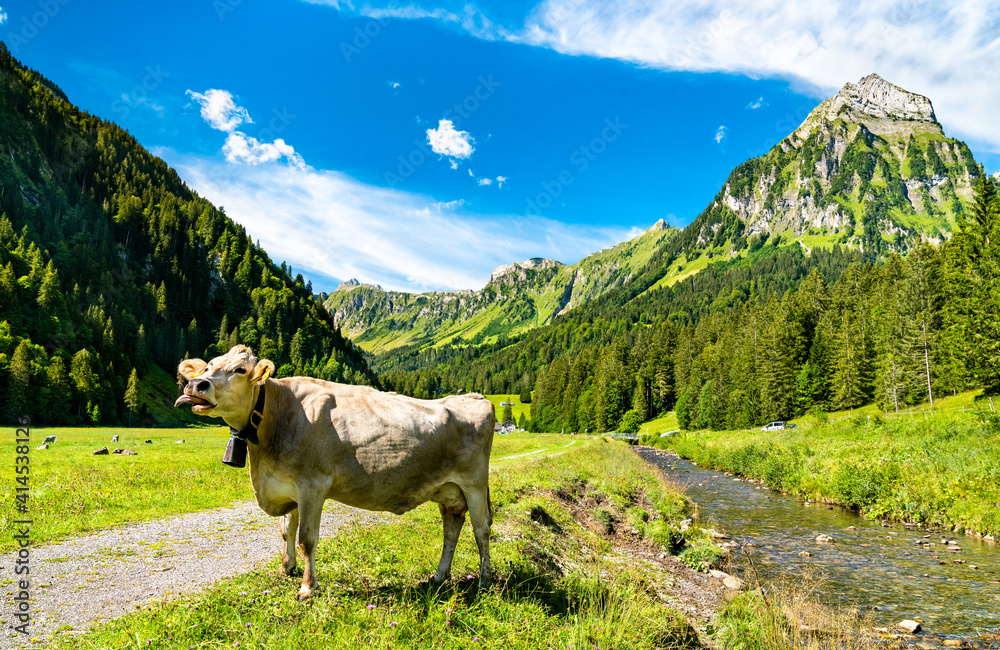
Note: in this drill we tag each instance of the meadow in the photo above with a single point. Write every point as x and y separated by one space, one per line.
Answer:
558 582
73 492
518 409
566 508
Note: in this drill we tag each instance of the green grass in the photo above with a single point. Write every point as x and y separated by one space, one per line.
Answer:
557 584
73 492
518 407
932 469
662 423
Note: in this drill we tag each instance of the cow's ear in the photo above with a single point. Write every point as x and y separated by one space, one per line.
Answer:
262 371
191 368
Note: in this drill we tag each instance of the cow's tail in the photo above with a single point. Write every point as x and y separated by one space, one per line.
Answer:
489 504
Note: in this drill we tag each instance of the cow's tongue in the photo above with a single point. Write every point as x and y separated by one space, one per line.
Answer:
193 400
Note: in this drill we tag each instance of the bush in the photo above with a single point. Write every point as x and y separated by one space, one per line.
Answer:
702 556
630 422
862 487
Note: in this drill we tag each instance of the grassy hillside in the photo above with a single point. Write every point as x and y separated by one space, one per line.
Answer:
519 298
518 409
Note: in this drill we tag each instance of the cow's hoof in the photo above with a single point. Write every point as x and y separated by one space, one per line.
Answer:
289 569
485 582
439 580
305 593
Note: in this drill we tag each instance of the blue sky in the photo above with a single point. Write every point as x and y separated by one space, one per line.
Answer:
419 145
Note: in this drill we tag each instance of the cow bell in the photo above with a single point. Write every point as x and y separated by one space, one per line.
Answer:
236 452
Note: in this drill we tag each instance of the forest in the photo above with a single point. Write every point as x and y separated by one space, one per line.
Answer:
773 336
112 270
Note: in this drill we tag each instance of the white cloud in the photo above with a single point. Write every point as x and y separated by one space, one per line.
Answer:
721 134
3 16
240 147
327 224
393 84
485 181
446 141
757 103
501 180
220 110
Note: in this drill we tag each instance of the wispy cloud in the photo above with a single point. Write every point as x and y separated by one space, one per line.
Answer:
3 16
446 141
949 51
721 134
757 103
332 226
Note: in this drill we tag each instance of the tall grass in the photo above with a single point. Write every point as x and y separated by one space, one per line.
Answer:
942 470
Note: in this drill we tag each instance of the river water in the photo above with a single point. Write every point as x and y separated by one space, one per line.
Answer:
886 569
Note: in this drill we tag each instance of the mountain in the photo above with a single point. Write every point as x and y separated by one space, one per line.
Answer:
519 297
870 167
112 270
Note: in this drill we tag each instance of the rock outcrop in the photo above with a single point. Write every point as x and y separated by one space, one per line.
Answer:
534 264
876 96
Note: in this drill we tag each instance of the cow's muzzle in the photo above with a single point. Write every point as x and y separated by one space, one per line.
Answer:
191 396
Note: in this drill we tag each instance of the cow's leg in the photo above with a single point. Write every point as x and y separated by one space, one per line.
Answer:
482 519
289 524
310 513
453 519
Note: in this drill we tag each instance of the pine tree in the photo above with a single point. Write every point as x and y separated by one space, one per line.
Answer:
920 306
972 286
20 381
132 396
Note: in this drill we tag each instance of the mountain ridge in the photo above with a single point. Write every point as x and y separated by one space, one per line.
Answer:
518 297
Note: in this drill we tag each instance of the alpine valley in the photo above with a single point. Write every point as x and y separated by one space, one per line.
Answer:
870 169
847 266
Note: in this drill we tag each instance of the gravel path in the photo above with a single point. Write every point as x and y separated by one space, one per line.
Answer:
106 575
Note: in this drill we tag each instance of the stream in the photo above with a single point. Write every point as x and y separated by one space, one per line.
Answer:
885 568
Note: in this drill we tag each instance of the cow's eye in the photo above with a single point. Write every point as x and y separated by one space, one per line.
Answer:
241 371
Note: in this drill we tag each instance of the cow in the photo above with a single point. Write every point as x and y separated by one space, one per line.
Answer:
319 440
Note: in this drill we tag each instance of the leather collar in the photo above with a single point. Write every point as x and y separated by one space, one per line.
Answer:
249 432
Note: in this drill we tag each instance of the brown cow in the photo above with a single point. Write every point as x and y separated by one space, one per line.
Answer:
319 440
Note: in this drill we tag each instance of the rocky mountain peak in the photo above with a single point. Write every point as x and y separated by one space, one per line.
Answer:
348 284
659 225
877 97
533 264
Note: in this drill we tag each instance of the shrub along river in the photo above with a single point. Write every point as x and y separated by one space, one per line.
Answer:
895 571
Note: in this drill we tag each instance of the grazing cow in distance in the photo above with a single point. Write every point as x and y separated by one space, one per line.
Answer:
314 440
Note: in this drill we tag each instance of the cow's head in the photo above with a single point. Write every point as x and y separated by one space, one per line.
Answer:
223 387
